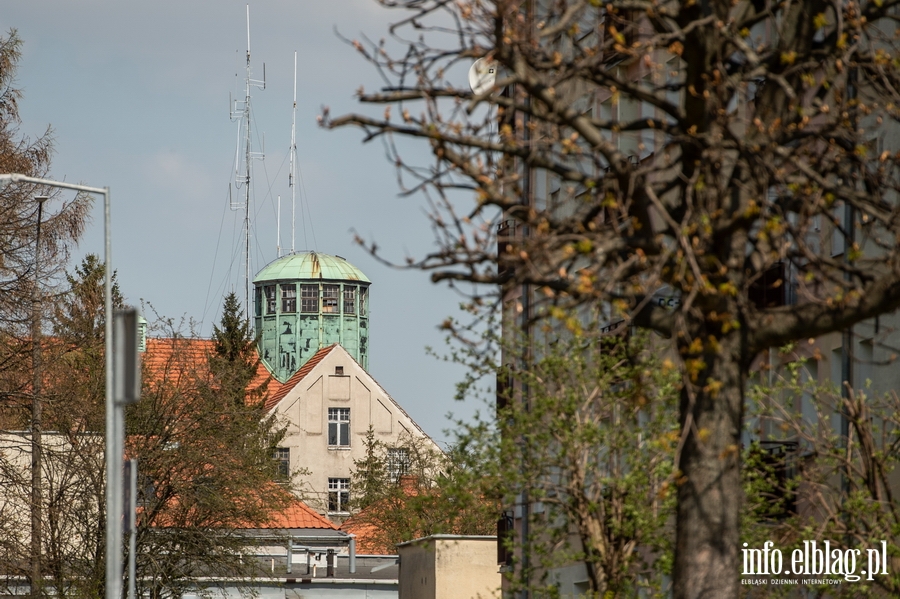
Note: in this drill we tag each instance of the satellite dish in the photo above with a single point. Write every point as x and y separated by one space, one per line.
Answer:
483 75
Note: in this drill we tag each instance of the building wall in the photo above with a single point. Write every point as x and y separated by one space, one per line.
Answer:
338 382
449 567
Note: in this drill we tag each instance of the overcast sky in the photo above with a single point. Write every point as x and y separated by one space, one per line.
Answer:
137 95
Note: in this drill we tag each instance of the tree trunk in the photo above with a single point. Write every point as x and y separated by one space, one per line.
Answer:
709 486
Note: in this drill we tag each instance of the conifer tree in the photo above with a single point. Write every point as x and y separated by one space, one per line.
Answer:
234 360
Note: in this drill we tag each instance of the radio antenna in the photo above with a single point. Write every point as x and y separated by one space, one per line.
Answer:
244 155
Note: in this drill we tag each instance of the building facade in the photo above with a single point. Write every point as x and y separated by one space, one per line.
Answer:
312 319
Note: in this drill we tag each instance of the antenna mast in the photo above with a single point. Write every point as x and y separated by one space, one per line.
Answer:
240 111
293 153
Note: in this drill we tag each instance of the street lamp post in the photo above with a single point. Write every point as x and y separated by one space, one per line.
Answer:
36 450
115 429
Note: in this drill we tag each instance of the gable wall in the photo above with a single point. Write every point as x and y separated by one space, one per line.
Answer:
304 411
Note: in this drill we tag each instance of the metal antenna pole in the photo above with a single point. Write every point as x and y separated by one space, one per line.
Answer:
243 115
293 154
247 158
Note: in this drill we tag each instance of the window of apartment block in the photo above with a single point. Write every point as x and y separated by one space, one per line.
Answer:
288 299
339 427
338 494
629 112
809 379
283 458
397 463
271 302
349 299
775 464
330 296
309 298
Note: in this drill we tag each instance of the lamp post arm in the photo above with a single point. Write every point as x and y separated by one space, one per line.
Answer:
114 419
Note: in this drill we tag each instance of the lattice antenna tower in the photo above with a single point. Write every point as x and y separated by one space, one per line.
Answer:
243 161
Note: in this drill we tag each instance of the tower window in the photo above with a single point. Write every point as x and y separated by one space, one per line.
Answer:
349 299
338 494
363 300
330 295
270 299
339 427
257 301
309 298
288 299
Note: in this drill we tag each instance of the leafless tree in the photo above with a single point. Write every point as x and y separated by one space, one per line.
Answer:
712 153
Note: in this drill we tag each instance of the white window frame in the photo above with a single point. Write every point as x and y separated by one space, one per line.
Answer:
338 495
339 427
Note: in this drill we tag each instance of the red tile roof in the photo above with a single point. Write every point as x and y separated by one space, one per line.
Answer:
366 535
277 395
299 515
180 356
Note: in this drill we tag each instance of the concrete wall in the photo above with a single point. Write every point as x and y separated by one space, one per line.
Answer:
449 567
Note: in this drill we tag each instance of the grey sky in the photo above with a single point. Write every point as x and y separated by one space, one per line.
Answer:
137 96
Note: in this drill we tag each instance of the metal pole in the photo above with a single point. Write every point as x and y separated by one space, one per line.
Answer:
290 554
113 506
352 554
132 526
37 576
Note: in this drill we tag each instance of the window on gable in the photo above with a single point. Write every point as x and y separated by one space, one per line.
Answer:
338 494
339 427
309 298
288 299
398 462
283 458
330 295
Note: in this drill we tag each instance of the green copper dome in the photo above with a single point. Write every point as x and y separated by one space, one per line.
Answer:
307 301
310 265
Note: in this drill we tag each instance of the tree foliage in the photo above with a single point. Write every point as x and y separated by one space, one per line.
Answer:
582 447
234 360
632 151
825 486
62 223
205 456
412 490
35 239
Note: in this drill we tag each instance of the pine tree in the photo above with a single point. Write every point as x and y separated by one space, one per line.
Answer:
370 473
234 360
